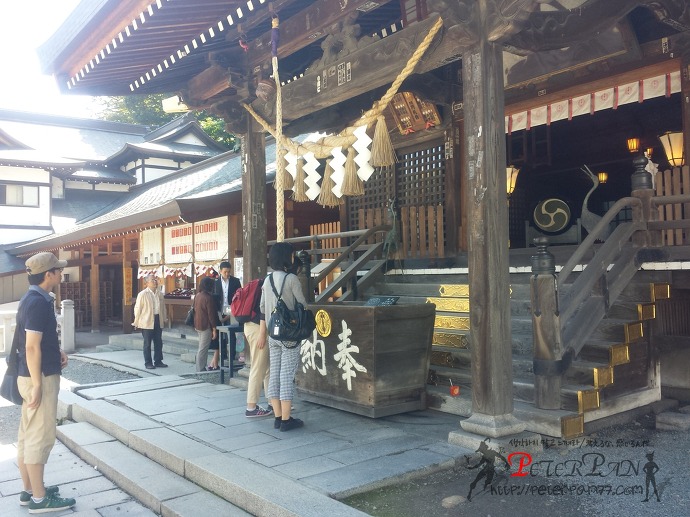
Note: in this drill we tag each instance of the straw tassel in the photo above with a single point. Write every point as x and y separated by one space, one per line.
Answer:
382 152
281 170
326 196
352 184
298 193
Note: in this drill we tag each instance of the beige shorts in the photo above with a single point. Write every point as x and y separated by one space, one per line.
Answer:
38 427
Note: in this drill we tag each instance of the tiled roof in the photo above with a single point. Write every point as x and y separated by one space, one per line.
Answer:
103 174
33 158
79 139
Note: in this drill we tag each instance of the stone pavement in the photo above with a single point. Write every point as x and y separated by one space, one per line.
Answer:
174 443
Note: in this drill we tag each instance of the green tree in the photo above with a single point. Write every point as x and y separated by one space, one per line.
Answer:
147 110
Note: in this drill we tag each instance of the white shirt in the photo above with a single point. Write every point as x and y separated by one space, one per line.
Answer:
156 302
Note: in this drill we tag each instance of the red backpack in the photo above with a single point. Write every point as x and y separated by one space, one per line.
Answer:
245 302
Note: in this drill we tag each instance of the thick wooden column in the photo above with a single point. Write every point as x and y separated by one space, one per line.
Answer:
685 104
485 161
253 202
127 291
95 291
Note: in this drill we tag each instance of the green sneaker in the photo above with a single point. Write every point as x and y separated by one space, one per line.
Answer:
25 497
51 503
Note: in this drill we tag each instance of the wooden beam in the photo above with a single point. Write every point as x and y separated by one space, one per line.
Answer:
363 70
589 85
305 27
208 83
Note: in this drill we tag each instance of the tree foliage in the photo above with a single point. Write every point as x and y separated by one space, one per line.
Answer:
147 110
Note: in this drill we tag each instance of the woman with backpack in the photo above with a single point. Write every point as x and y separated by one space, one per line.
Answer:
258 352
205 320
283 357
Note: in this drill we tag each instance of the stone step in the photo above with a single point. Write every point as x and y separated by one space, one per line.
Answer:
175 474
153 485
171 343
542 421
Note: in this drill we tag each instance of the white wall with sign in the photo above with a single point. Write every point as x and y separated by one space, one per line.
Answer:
178 244
150 247
211 240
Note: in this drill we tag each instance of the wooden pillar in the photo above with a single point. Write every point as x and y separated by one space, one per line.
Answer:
95 291
685 104
127 291
485 161
253 202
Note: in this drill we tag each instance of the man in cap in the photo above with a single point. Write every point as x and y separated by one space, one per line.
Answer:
40 362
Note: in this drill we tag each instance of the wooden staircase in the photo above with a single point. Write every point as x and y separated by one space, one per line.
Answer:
615 370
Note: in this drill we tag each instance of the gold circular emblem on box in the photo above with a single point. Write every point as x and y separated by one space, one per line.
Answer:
323 323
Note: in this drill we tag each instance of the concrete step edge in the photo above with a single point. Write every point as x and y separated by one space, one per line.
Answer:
144 479
241 482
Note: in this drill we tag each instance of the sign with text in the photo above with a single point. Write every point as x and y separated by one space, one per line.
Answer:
178 244
211 239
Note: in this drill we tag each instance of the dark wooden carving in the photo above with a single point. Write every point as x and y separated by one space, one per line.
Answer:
234 115
549 30
363 70
675 13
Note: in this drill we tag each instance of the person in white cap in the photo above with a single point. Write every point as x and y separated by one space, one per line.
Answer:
40 361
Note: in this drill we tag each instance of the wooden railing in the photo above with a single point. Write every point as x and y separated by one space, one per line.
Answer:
657 221
669 185
350 260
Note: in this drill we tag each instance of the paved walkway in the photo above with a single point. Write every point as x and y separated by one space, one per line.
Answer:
189 425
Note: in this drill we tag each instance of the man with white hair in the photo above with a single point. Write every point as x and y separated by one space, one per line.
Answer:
149 316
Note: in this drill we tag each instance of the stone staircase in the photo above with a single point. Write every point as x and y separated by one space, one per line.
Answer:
613 373
170 472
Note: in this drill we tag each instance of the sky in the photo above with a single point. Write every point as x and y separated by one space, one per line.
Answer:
24 26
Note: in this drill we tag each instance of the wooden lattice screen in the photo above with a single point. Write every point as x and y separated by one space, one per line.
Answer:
672 182
325 229
418 183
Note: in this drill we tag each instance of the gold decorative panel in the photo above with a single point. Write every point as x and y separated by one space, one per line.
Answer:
603 376
442 359
450 340
587 400
452 322
619 354
572 426
447 290
660 291
646 311
633 331
450 304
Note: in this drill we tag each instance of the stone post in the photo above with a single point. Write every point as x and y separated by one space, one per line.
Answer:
68 326
546 333
7 333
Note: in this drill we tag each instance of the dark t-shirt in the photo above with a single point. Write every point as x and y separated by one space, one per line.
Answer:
37 313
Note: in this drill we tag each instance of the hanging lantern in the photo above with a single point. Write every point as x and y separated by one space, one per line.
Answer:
511 178
603 177
673 147
633 145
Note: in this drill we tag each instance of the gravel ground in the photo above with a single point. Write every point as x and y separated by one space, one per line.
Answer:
77 371
599 474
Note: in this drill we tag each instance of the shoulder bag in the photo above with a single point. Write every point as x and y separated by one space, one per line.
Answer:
289 326
189 320
9 389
